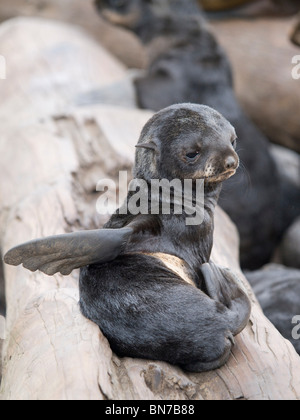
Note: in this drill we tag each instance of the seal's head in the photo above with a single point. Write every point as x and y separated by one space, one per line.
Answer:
187 141
142 15
125 13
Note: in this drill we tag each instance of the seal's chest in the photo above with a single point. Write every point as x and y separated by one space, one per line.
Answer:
175 264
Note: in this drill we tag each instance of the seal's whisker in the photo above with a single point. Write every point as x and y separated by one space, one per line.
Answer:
247 176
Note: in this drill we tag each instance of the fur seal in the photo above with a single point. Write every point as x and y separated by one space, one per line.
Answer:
154 292
187 64
277 289
163 298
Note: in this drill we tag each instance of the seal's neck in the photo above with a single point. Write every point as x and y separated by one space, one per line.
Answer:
212 193
190 242
181 197
161 18
167 26
193 242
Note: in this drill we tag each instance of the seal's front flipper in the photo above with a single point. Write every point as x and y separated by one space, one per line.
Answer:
212 280
223 286
64 253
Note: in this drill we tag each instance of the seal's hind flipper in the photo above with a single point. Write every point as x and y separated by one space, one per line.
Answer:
64 253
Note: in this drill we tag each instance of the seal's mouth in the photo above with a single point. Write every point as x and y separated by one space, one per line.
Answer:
221 177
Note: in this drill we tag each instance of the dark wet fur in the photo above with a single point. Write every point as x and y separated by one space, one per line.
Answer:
144 308
194 68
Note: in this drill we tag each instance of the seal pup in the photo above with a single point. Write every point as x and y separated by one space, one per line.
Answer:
163 298
147 280
187 64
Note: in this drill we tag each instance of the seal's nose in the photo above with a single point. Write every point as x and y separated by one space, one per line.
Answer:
231 162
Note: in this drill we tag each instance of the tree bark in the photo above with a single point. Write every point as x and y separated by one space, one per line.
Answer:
51 167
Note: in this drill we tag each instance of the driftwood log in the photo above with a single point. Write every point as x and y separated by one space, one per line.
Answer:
122 43
2 337
50 168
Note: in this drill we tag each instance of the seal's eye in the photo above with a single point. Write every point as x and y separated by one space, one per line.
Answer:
116 4
192 156
234 142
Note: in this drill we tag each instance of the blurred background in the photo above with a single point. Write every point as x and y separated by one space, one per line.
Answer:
239 56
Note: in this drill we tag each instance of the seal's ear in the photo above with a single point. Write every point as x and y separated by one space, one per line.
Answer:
151 146
64 253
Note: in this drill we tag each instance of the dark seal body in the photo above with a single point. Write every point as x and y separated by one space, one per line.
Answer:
162 298
187 64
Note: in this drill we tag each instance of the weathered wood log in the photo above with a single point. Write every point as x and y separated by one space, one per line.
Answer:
51 351
58 70
122 43
2 291
2 337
